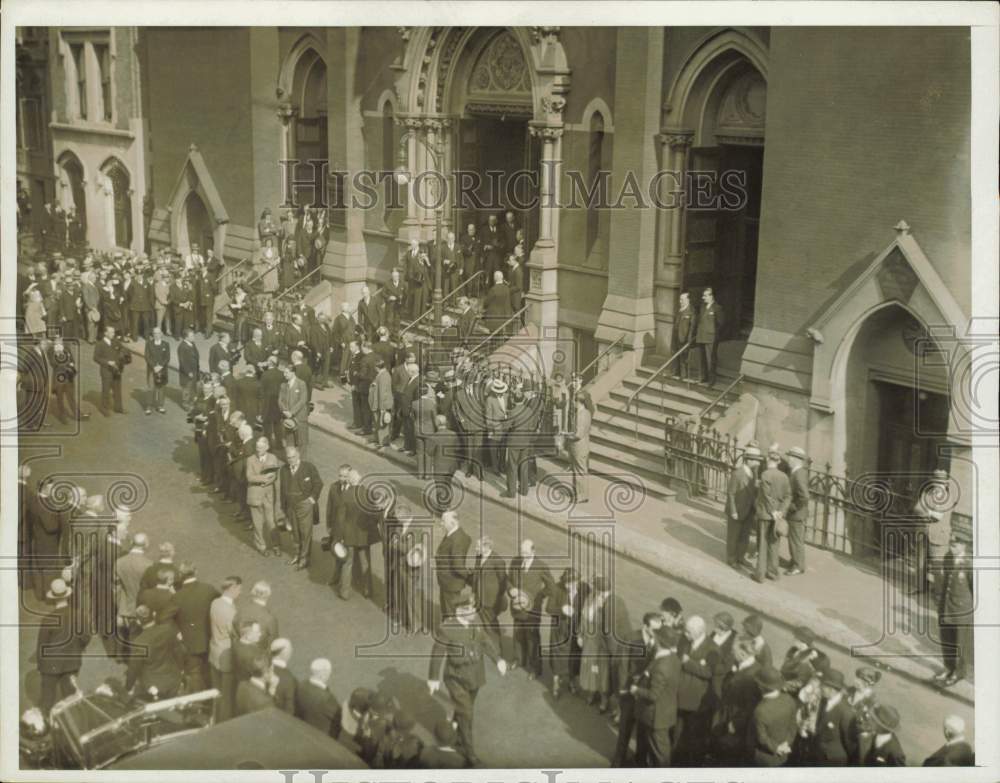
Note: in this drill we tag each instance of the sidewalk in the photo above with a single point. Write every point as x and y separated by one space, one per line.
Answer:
845 603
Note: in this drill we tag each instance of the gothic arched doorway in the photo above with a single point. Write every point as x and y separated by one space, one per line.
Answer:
198 223
72 192
120 204
491 95
307 129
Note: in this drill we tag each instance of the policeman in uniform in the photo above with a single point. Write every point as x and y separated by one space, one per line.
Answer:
460 646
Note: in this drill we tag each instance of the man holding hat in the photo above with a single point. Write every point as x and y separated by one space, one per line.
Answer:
59 653
798 509
656 701
460 648
835 742
774 724
774 495
741 493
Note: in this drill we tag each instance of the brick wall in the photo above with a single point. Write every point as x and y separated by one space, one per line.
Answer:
864 127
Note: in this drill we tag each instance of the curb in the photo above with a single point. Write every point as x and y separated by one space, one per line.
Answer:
703 582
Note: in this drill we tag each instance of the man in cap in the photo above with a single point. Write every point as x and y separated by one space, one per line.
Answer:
956 751
59 651
741 492
655 692
835 741
770 507
460 648
885 750
774 725
798 509
955 613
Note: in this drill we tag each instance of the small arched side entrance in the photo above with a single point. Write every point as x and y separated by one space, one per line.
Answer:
197 223
118 203
197 214
72 190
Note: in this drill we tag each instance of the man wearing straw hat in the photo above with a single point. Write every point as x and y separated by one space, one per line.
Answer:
60 651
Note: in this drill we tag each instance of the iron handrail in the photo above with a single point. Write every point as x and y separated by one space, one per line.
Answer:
230 270
417 320
259 275
633 397
718 399
600 356
496 331
296 284
458 288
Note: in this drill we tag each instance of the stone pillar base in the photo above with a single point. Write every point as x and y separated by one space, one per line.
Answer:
629 316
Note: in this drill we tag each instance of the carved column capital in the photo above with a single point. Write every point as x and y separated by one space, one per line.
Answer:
545 132
676 139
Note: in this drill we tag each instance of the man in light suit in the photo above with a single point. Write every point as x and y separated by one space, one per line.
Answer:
262 474
129 570
380 402
293 400
221 614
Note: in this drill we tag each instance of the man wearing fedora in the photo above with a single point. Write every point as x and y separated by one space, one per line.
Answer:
741 492
798 509
771 504
59 653
885 750
835 741
774 725
460 649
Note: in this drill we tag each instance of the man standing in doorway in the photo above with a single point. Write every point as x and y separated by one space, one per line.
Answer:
710 323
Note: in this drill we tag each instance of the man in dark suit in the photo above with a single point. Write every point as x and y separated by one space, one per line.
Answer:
205 301
334 497
219 352
655 694
521 424
157 360
445 457
449 562
835 743
683 336
369 313
493 247
393 295
272 337
955 612
707 335
529 584
451 263
320 336
695 696
246 394
444 755
107 355
956 751
466 320
471 251
301 485
193 602
316 705
286 685
489 581
158 597
460 648
271 382
47 522
740 696
798 509
632 657
256 611
156 659
496 305
59 651
253 694
351 529
255 352
741 492
774 726
774 494
189 367
64 376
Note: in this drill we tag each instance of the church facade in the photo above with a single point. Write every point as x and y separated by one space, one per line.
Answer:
843 267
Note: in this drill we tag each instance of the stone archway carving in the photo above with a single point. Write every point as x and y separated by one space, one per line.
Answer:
194 176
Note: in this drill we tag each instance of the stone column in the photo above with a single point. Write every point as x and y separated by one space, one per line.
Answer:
267 130
670 271
628 307
543 295
410 228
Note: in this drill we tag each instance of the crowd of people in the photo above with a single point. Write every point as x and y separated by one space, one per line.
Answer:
688 691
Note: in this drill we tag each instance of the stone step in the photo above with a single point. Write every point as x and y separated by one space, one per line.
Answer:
651 414
623 443
658 404
639 471
681 389
613 423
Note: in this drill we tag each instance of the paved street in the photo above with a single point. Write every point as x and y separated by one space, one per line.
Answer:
518 724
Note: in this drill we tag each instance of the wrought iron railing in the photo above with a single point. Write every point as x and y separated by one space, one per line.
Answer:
430 311
594 362
634 396
489 339
296 284
708 408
